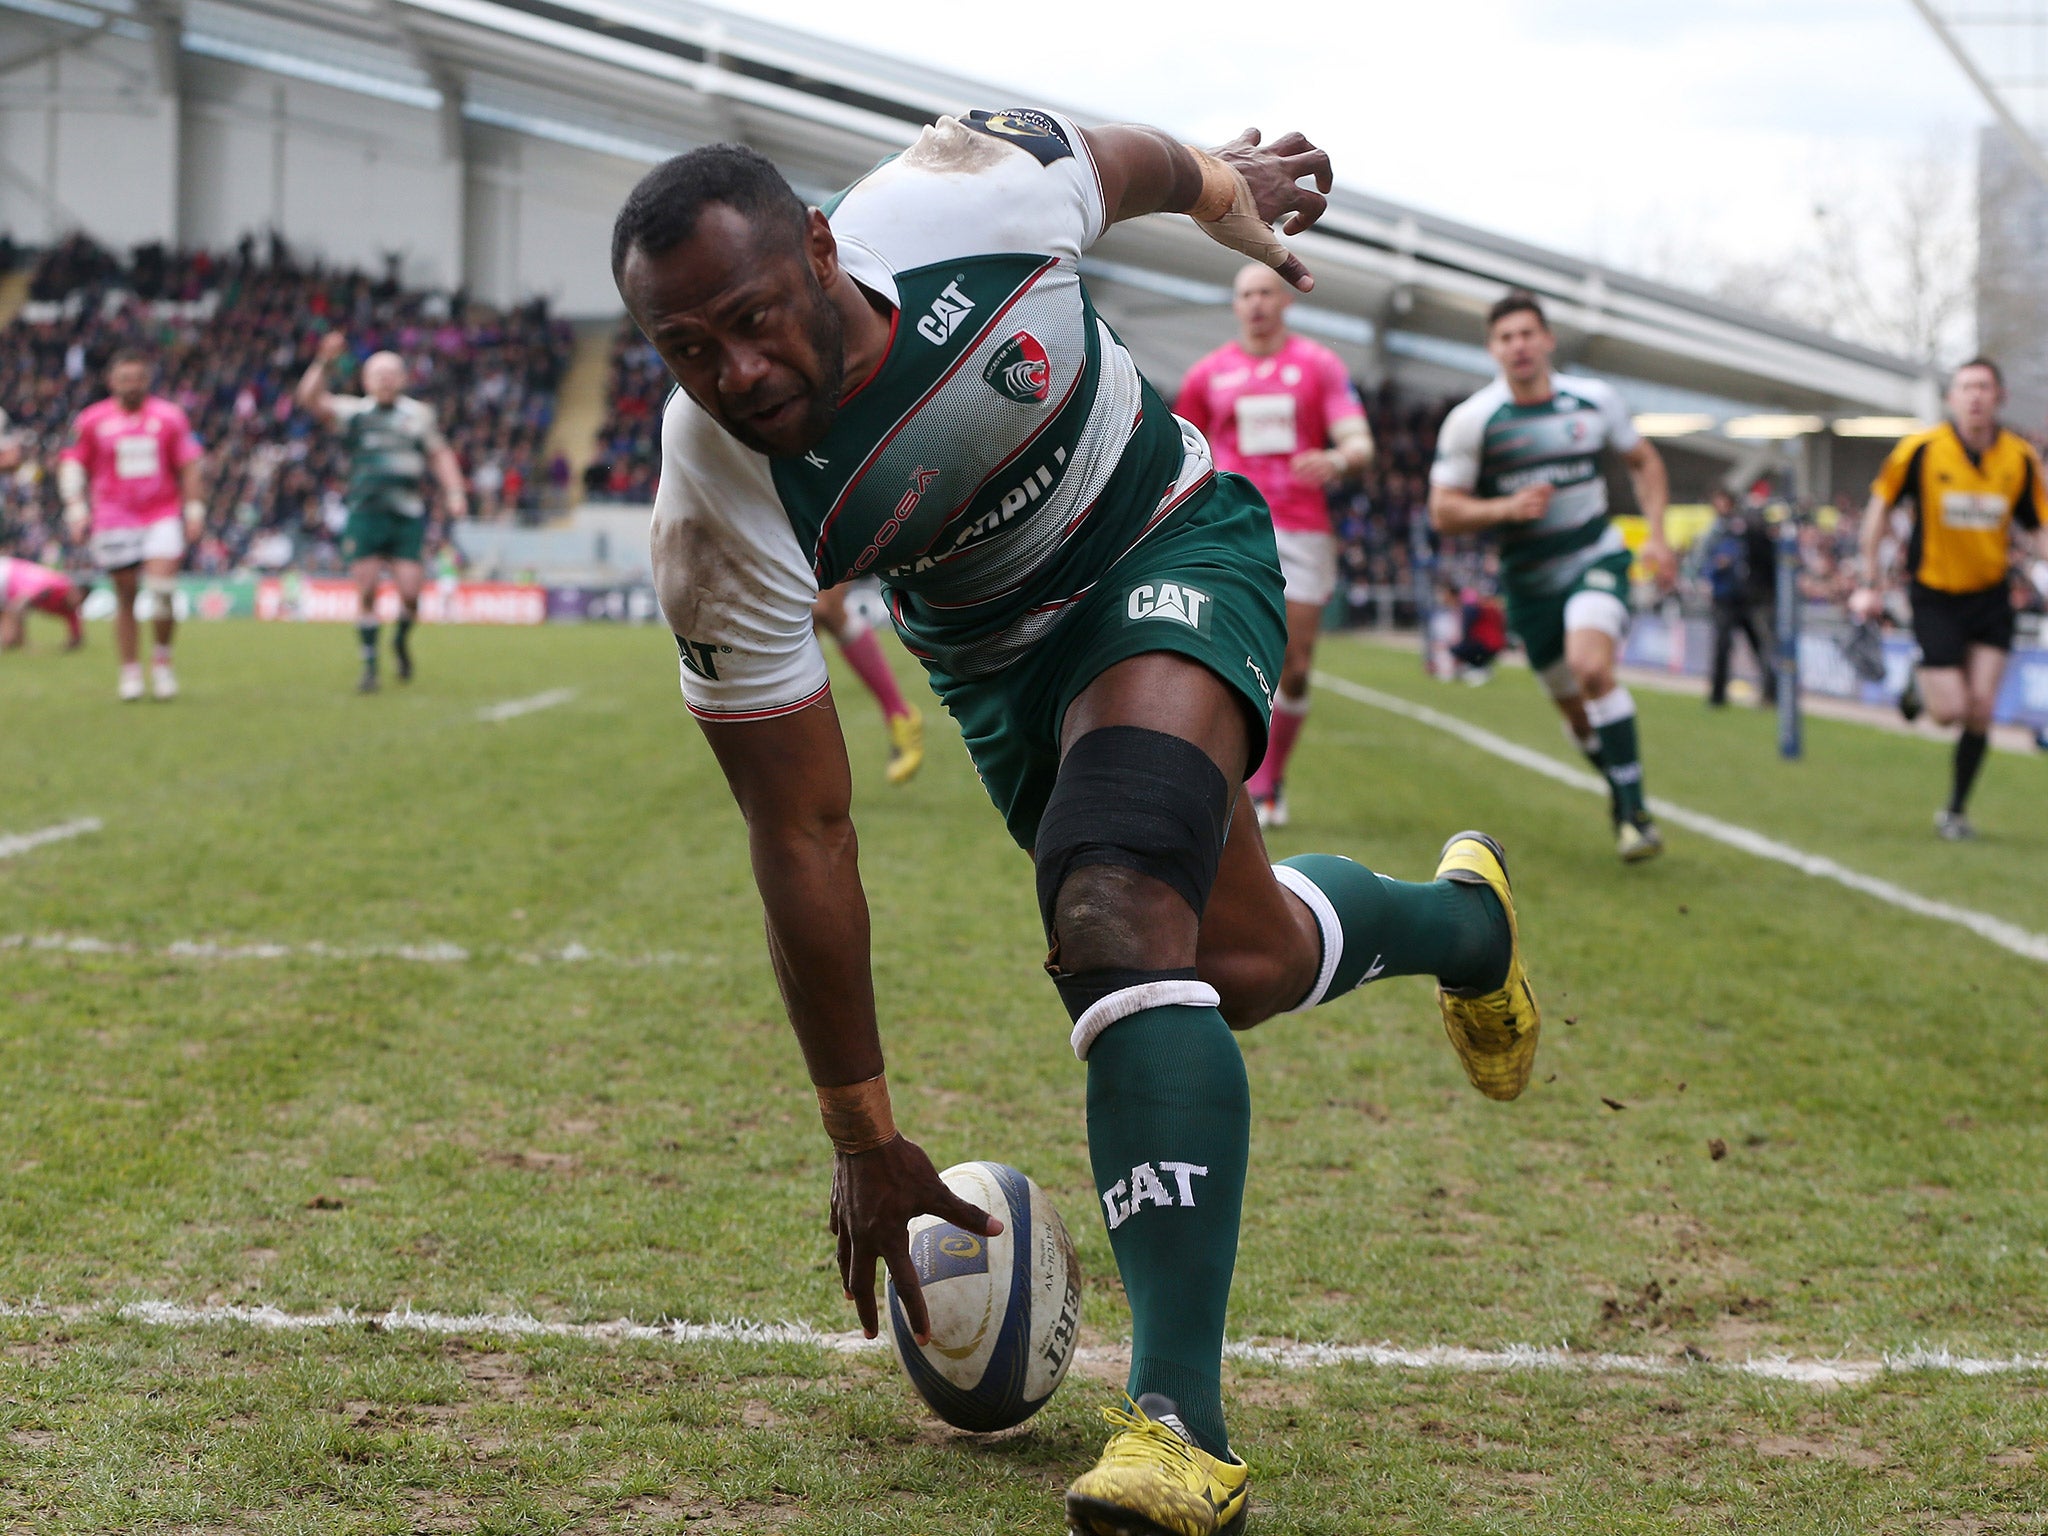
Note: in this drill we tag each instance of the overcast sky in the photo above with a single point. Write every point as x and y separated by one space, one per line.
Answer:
1613 128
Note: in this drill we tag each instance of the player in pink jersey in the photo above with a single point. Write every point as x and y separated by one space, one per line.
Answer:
25 585
1280 410
135 457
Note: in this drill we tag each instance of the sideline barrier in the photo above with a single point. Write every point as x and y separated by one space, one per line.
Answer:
1687 648
324 600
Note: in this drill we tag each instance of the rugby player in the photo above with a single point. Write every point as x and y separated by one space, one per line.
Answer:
393 444
129 469
1521 459
1280 410
25 585
862 649
911 381
1975 493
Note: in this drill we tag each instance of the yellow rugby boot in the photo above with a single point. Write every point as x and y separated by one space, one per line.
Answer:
1637 840
1494 1033
906 745
1153 1480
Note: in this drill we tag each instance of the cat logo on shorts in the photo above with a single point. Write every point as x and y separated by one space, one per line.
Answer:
1020 370
1171 600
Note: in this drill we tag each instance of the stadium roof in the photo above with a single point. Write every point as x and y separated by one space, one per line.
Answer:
642 79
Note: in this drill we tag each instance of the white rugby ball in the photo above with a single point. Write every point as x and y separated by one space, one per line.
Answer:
1005 1310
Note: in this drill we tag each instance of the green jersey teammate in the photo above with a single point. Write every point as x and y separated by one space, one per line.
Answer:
1522 458
393 444
914 383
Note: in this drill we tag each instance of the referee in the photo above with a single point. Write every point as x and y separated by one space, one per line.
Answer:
1975 492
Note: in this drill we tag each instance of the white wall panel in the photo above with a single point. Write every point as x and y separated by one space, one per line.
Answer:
541 221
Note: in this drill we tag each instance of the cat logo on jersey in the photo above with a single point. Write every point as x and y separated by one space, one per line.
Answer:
1037 133
1174 601
1021 370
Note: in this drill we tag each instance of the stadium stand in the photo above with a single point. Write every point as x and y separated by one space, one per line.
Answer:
231 333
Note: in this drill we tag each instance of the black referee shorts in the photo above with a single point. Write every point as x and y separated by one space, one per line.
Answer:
1947 624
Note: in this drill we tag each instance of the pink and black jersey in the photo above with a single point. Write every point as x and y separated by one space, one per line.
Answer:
1259 412
132 460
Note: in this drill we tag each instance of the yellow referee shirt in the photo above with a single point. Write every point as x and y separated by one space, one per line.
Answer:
1963 504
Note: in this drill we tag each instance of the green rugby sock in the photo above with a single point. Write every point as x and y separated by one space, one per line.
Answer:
1374 927
1169 1132
1613 715
366 640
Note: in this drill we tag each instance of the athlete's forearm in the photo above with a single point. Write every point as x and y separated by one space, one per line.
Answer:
817 912
1652 483
1351 441
454 489
1144 170
312 393
1455 511
1871 537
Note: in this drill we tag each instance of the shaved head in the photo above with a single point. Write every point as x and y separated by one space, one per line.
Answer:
1259 298
383 376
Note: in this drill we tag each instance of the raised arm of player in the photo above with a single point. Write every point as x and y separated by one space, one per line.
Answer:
791 779
1652 484
312 394
1237 194
1455 510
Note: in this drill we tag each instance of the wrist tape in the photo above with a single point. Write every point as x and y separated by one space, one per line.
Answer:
857 1116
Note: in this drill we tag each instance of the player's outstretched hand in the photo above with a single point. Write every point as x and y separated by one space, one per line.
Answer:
332 345
1274 173
874 1196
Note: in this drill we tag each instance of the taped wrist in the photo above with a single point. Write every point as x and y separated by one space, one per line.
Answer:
1141 800
1228 213
857 1115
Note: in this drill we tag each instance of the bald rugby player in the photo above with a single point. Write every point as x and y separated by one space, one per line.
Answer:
1280 410
393 445
912 381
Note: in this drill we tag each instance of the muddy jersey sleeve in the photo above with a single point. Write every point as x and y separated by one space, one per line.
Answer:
734 586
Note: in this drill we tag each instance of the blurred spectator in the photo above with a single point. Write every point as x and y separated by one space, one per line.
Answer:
1738 562
230 336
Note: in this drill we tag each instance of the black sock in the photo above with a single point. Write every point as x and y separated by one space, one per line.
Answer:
367 633
404 634
1970 749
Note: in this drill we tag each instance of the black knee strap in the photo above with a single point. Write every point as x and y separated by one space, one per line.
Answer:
1139 799
1082 992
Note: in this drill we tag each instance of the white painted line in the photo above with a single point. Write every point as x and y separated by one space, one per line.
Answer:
512 709
1286 1354
423 954
1996 930
12 843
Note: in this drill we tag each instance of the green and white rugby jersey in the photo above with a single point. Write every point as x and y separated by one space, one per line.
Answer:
1491 447
388 451
1002 459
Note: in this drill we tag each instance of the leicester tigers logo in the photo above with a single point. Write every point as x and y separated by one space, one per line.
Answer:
1020 370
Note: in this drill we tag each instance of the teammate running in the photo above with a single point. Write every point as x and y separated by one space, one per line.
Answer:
1975 492
1522 458
913 382
393 443
135 457
1280 410
862 649
25 585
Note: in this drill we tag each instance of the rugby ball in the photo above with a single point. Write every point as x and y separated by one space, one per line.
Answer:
1005 1310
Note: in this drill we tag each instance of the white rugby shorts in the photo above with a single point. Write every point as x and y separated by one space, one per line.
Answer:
115 549
1308 564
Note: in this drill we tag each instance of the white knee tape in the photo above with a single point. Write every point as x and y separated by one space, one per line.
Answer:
1611 708
160 586
1121 1005
1558 680
1596 610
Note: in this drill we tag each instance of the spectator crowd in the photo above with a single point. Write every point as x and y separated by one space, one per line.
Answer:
229 335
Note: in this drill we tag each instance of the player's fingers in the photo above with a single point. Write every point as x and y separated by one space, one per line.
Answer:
909 1293
1311 162
1309 207
965 1215
861 1287
1295 274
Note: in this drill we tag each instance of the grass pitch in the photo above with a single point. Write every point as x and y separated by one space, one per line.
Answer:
597 1113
